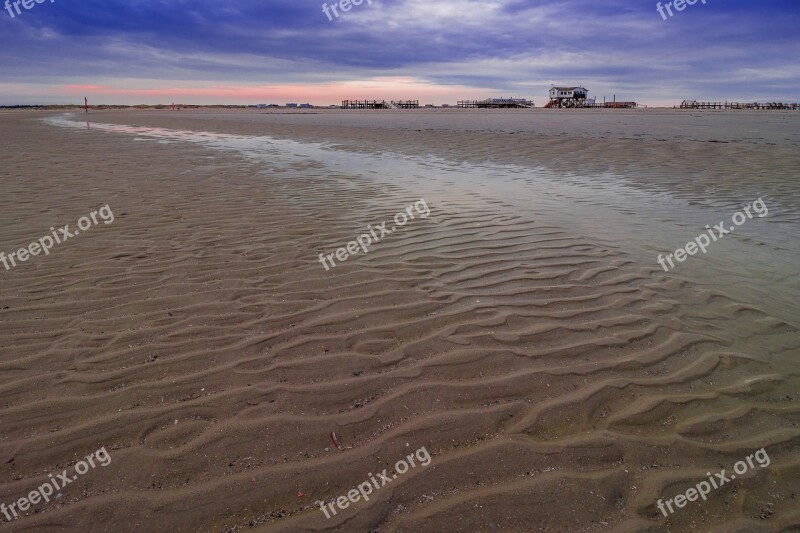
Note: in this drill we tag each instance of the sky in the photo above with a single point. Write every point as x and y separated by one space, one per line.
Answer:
435 51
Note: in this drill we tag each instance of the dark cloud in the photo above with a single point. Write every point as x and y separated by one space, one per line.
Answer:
728 49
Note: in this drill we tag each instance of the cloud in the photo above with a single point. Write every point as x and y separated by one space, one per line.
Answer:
443 49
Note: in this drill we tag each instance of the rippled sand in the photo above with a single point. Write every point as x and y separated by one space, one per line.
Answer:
523 333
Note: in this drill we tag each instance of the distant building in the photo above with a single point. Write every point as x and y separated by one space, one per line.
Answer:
568 97
291 105
306 106
568 92
577 97
262 106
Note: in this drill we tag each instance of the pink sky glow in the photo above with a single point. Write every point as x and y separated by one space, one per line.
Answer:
318 94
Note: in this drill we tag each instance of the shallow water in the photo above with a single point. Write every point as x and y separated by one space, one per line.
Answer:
757 263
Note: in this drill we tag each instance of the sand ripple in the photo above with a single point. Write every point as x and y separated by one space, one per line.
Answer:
558 384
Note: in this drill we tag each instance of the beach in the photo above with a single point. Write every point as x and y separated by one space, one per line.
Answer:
523 332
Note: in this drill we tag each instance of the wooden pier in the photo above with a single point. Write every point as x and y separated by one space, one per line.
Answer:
496 103
694 104
405 104
380 104
613 105
582 104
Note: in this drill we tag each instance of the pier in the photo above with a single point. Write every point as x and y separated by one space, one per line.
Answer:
612 105
496 103
380 104
694 104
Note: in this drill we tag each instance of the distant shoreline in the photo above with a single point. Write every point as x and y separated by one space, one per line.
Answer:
317 109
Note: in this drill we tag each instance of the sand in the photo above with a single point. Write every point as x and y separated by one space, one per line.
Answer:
523 333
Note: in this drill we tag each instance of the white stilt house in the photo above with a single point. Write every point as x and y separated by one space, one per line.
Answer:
568 97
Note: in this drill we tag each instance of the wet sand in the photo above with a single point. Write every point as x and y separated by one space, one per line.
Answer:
523 333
